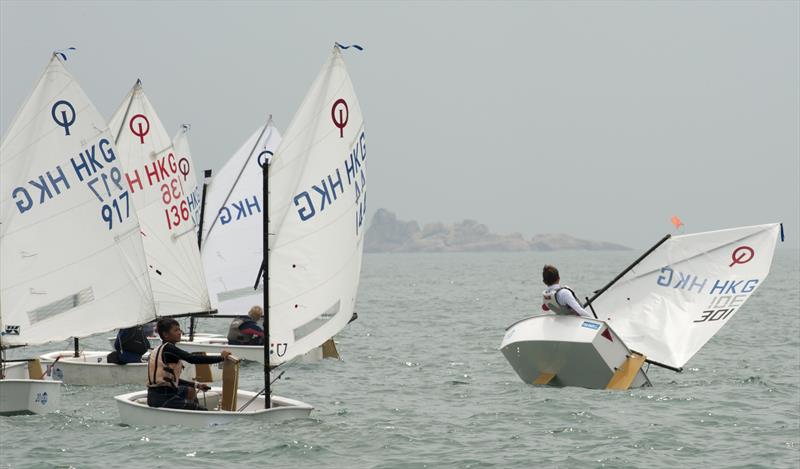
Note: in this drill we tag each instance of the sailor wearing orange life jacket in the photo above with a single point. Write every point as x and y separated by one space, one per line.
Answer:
560 299
165 388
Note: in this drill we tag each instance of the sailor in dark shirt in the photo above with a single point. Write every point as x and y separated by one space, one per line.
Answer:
131 343
245 330
165 388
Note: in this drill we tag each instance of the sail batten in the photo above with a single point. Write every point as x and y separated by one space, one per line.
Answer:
678 297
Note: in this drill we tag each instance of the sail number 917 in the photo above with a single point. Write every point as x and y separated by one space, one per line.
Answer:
113 211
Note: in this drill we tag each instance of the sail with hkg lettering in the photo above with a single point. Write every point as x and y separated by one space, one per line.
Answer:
186 167
72 257
232 239
317 203
671 303
153 175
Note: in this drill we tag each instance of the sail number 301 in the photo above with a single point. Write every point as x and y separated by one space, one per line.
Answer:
721 307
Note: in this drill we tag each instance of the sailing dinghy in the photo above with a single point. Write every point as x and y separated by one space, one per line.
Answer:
154 175
73 262
232 238
314 246
229 243
663 309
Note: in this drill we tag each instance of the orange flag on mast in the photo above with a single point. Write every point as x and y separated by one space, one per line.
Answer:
677 222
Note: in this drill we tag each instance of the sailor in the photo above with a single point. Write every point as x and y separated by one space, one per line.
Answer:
165 388
560 299
131 343
245 330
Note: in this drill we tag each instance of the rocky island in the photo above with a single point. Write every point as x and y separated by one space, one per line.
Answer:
388 234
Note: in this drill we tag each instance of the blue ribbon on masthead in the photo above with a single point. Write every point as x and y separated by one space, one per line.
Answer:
63 52
354 46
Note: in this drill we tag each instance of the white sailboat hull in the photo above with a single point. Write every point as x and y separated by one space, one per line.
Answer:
155 340
20 395
92 369
214 345
579 351
134 411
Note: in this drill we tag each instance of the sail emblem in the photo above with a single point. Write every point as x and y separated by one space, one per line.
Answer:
138 119
343 114
266 154
742 255
65 121
183 167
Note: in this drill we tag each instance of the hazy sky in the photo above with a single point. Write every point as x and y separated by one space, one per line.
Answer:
598 119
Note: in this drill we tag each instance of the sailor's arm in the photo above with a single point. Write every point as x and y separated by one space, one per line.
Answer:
568 299
195 359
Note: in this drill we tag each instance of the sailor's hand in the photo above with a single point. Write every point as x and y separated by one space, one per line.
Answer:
225 354
203 387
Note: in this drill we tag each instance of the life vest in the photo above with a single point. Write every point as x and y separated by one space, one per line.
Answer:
161 373
133 340
550 303
235 336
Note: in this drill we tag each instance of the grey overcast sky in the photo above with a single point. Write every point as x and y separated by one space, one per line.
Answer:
597 119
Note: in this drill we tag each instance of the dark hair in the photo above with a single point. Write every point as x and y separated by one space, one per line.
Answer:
164 325
550 275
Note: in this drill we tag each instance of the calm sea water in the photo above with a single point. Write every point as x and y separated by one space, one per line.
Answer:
422 384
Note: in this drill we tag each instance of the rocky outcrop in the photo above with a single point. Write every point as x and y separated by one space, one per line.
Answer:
388 234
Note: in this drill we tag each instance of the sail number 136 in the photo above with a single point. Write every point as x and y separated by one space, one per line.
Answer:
177 208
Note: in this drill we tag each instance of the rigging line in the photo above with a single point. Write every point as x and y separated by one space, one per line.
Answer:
127 110
241 171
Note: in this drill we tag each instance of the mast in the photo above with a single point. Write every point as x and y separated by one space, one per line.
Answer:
206 178
628 269
265 269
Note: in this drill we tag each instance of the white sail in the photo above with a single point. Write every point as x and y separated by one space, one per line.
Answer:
72 258
232 239
188 172
153 177
680 295
317 184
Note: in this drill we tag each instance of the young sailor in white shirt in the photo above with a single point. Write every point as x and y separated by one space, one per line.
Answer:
560 299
